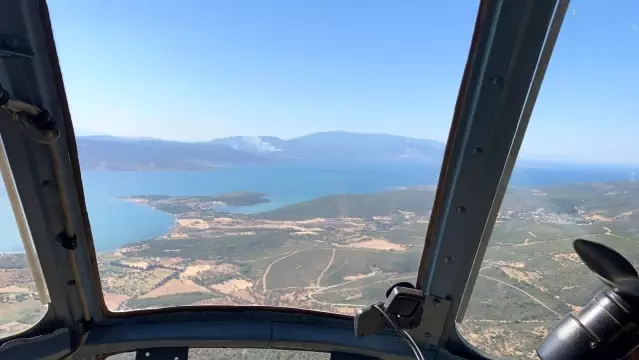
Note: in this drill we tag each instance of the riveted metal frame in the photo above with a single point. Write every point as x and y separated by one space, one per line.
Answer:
512 46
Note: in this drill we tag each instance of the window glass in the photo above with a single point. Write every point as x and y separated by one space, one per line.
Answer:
252 153
240 354
21 305
574 178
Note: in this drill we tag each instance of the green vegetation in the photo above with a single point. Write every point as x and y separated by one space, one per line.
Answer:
221 248
255 354
209 278
364 291
411 234
358 262
13 261
168 300
29 311
610 198
238 198
337 252
301 269
357 206
241 198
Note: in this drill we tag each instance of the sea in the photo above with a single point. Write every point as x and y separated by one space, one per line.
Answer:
115 222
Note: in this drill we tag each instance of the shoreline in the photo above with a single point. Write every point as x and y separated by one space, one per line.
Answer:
174 217
131 201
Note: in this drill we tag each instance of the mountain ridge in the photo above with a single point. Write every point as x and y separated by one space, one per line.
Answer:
105 152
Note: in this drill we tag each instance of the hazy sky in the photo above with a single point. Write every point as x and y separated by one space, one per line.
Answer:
196 70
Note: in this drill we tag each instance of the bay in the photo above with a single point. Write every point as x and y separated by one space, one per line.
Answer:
115 222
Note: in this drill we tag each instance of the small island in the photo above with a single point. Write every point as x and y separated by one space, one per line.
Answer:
180 204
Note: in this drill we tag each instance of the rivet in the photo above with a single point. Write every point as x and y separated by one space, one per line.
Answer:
426 334
46 183
497 80
461 209
436 302
478 150
448 259
71 282
593 344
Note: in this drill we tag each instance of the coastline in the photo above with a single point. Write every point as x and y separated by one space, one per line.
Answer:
174 219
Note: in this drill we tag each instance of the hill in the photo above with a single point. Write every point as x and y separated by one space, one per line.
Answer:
607 199
356 206
612 199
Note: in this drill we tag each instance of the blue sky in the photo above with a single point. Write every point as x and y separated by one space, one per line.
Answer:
196 70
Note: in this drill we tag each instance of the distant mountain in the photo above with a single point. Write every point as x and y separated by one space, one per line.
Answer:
102 152
251 144
341 146
118 138
116 154
369 147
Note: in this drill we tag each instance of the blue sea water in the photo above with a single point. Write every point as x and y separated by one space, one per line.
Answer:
116 222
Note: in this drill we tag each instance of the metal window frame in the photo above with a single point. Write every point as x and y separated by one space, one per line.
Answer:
496 87
496 99
33 79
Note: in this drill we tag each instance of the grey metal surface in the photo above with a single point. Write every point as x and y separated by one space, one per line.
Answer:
247 328
166 353
37 80
498 79
43 347
13 46
243 333
546 54
27 160
434 319
346 356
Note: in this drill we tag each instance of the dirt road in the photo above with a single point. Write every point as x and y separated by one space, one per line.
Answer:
319 278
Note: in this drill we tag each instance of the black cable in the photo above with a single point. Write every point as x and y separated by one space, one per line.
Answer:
403 333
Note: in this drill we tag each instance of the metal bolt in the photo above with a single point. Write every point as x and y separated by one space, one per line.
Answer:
593 344
448 259
461 209
478 150
497 80
436 302
426 334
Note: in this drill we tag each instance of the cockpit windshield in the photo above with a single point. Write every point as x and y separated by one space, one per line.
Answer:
253 153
